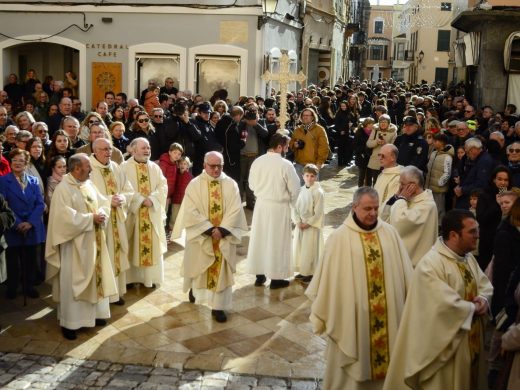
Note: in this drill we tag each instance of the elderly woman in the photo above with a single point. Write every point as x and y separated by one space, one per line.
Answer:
10 138
41 130
24 120
24 197
384 132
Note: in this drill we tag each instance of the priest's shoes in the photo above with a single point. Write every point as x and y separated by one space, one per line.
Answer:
219 315
69 334
260 280
191 297
100 322
280 283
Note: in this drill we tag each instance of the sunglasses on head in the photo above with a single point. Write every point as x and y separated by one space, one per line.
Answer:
143 120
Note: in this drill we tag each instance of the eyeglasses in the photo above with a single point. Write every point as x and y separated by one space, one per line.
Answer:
94 122
18 161
215 166
514 150
157 116
145 120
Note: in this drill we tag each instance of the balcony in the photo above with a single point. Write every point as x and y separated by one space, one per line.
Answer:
409 55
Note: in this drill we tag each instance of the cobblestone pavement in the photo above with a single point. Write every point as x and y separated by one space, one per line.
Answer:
158 335
21 371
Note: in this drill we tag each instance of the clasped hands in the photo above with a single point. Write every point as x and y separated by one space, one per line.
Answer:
481 306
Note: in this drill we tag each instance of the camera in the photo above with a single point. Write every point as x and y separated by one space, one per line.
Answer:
299 143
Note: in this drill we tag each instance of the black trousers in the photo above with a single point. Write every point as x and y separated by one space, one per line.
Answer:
22 266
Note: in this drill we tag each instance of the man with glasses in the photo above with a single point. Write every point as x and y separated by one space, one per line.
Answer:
96 132
513 156
111 182
168 88
76 109
214 220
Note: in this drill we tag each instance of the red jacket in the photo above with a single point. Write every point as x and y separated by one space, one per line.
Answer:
183 179
169 170
5 168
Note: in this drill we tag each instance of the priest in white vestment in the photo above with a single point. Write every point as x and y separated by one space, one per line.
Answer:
214 220
78 263
413 213
110 180
358 293
387 183
276 185
146 216
440 342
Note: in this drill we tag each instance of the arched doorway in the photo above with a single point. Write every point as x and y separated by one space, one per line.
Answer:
54 57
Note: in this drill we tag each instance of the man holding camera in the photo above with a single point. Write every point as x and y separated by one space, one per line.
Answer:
253 134
309 142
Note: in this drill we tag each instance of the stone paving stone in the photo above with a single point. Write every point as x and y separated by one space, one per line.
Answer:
214 383
12 357
272 382
134 369
93 376
303 385
165 371
191 375
222 375
116 367
243 380
47 361
105 378
103 366
40 369
19 384
40 385
120 383
237 386
125 376
76 376
89 364
163 379
72 361
5 378
189 386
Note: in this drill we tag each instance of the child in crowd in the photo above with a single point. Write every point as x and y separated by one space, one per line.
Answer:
184 177
58 167
168 163
307 215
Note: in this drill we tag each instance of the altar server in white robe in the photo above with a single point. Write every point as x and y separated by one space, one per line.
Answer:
307 216
146 216
78 263
276 185
214 220
110 180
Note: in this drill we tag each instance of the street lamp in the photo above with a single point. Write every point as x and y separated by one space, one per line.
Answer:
268 8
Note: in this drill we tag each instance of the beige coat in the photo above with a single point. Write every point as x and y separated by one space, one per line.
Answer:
389 137
387 185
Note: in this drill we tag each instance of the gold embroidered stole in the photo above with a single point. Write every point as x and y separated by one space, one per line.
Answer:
215 216
145 224
374 266
470 292
90 199
111 189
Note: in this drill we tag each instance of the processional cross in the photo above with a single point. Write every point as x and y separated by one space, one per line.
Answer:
284 77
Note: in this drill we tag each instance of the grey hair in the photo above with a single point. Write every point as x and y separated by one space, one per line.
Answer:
213 153
361 191
473 143
413 174
393 149
76 160
135 141
16 129
511 145
498 134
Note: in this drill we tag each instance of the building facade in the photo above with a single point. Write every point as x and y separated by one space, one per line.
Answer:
378 63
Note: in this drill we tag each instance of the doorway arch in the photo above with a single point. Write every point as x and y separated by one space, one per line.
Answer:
80 47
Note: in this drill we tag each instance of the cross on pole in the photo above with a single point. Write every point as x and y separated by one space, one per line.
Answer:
284 77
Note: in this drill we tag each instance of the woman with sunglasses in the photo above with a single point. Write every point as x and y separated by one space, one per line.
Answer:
143 127
92 118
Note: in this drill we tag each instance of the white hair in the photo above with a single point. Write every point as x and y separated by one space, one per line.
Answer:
473 143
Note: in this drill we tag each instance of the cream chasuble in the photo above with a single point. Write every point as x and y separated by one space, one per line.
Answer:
358 294
435 349
208 265
145 225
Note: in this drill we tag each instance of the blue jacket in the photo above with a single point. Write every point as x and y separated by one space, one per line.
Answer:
27 206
